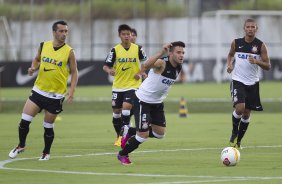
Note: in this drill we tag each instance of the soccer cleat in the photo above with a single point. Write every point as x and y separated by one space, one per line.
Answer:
232 140
44 157
124 160
238 145
125 136
118 141
14 152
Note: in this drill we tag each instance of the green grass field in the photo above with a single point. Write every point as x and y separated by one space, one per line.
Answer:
83 150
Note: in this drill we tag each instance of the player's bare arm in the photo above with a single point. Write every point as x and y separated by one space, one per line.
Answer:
264 63
109 70
35 63
230 57
142 74
153 59
138 75
159 66
74 76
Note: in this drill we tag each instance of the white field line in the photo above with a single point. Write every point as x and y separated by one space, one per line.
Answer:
206 181
107 99
198 181
212 178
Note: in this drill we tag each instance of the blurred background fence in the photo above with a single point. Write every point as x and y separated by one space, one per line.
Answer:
206 26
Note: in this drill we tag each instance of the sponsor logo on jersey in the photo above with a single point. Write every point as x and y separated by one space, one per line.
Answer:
245 56
145 125
125 60
123 69
52 61
143 53
254 49
110 57
47 70
168 82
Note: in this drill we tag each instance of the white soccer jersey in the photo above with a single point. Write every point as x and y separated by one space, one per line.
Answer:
244 71
155 87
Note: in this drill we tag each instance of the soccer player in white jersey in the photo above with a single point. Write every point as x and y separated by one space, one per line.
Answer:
148 104
245 57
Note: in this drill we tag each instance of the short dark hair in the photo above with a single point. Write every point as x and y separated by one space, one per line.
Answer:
175 44
62 22
123 27
134 31
250 20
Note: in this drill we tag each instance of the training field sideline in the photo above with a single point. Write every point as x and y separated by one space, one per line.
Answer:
200 97
188 90
83 151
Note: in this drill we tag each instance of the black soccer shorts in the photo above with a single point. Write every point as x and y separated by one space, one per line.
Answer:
119 97
248 94
146 114
54 106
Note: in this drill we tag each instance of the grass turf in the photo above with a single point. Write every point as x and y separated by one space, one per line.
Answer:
83 151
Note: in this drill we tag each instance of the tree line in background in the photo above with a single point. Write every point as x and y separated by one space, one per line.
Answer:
122 9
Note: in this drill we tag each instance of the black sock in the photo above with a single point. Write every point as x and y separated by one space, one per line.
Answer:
23 131
125 120
131 131
48 139
130 146
235 124
242 130
117 125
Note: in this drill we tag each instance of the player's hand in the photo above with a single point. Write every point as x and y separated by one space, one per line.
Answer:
111 72
165 48
70 96
30 71
252 60
229 68
144 75
137 76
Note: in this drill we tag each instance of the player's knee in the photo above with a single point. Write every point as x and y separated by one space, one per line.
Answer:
240 109
158 136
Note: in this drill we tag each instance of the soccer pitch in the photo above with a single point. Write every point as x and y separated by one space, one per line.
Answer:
83 150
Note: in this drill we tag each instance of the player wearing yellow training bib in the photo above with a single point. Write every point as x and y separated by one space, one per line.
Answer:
53 70
124 64
54 61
